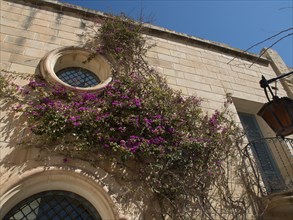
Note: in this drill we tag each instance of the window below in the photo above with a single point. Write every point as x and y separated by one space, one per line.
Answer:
53 205
261 150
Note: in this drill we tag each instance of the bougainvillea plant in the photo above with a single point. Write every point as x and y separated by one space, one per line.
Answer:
179 151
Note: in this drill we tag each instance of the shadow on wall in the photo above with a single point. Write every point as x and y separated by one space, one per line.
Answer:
21 154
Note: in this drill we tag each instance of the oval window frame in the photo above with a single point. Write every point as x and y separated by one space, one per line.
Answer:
66 57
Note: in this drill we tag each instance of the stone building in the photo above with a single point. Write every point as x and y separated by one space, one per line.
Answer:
38 35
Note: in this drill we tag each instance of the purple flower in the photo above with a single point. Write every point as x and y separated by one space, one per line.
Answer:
134 148
82 108
123 143
74 118
34 113
65 160
137 102
170 130
89 97
122 129
76 123
158 116
118 49
157 140
17 108
116 103
147 121
46 100
124 97
34 84
134 137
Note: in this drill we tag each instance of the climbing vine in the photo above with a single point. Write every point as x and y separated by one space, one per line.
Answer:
174 154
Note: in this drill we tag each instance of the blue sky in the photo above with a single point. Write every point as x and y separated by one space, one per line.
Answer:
239 24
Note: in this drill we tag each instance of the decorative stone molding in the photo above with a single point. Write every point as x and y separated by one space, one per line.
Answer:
66 57
40 180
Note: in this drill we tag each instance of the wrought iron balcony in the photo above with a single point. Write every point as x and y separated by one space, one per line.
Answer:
271 160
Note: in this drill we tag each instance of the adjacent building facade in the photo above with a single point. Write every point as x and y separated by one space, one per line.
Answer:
33 31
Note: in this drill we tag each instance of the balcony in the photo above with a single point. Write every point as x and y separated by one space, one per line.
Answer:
271 163
276 167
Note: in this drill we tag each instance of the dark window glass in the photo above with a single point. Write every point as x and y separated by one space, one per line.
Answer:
78 77
53 205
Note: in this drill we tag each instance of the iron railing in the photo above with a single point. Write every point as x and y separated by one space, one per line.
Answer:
274 173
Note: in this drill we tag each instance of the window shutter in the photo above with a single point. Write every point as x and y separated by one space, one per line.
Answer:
262 153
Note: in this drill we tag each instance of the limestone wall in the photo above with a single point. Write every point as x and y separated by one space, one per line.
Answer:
212 71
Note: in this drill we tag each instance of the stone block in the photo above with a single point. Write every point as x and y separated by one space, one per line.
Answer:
206 73
10 15
208 61
7 6
184 68
41 23
168 58
11 48
193 58
171 80
34 44
189 51
160 63
22 68
44 16
226 78
5 64
32 52
178 54
242 88
214 69
17 32
237 69
48 47
24 60
210 55
152 54
207 95
76 23
179 88
186 62
66 42
193 84
2 37
9 23
193 77
68 35
4 56
160 50
199 65
43 30
218 90
171 72
166 45
47 38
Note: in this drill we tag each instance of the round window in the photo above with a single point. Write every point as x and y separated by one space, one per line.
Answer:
78 77
69 66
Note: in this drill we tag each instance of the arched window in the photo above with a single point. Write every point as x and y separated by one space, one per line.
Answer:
53 205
